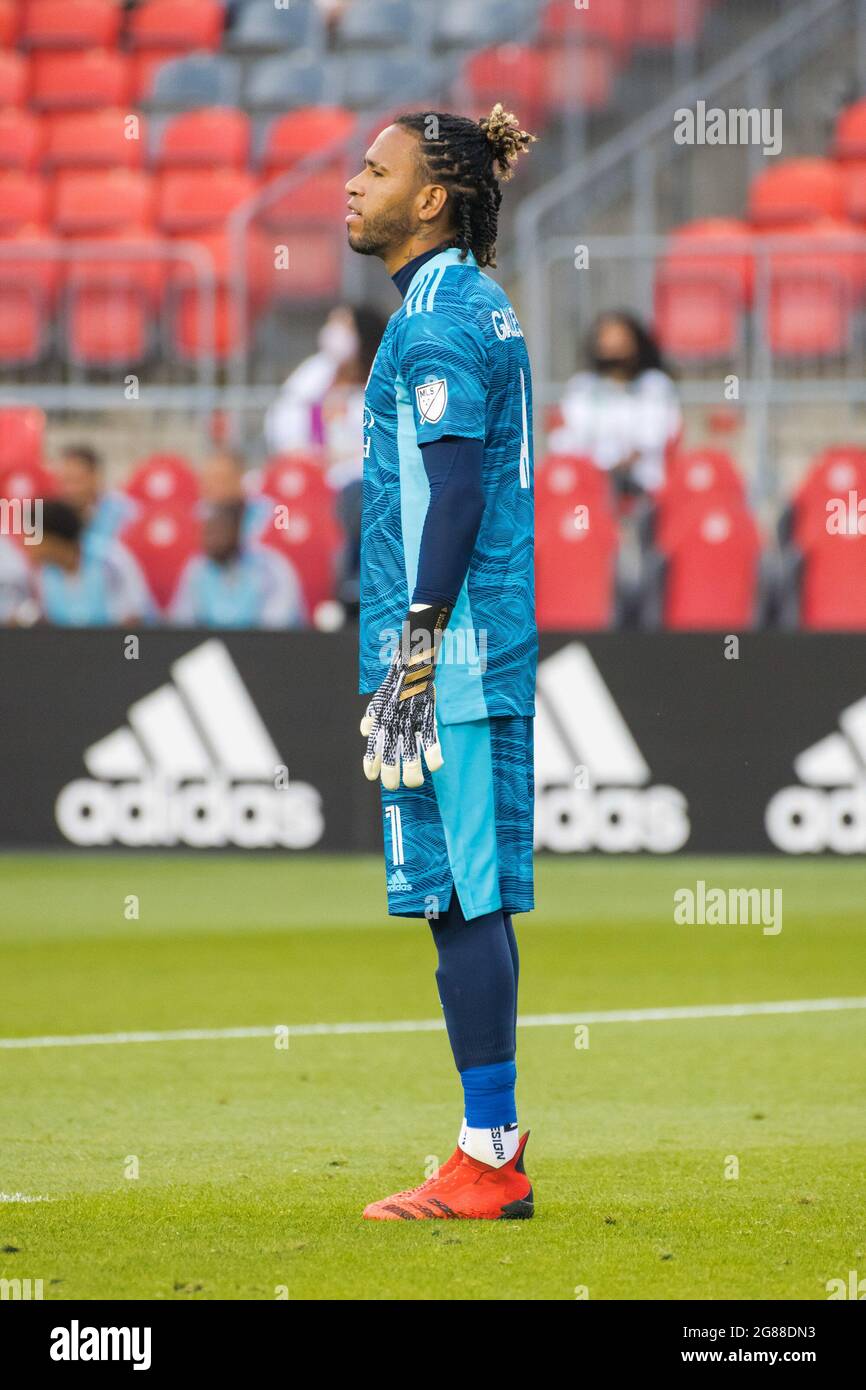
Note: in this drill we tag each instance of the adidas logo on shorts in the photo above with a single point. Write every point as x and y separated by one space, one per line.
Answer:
399 883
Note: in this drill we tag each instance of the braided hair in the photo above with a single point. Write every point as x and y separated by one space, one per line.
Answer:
464 156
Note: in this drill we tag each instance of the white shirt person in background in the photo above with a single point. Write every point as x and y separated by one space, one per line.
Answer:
623 412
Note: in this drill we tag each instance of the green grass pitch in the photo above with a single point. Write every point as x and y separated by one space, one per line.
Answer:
233 1168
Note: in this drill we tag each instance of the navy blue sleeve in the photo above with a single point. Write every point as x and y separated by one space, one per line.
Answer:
453 468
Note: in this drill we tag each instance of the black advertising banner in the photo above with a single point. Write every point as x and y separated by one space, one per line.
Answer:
645 743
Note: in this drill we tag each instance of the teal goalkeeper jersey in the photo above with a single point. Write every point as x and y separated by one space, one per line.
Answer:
452 361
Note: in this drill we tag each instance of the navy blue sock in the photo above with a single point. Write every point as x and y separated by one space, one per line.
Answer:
477 988
515 962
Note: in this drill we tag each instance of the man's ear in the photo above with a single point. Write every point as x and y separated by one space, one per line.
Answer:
432 199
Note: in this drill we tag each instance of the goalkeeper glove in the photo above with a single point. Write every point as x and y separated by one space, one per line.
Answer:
402 712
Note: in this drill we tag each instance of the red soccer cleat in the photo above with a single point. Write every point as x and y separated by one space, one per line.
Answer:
465 1190
384 1209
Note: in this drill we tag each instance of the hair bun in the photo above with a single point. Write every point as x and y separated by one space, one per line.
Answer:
506 137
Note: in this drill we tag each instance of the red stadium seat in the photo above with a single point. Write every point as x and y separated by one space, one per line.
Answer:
190 332
575 565
24 200
833 587
311 541
576 79
849 141
112 300
511 73
831 245
695 476
26 482
610 23
696 317
302 133
164 480
21 139
80 81
163 538
569 477
809 317
23 325
305 221
712 550
836 473
318 198
192 337
703 283
10 20
314 265
290 478
799 190
110 138
70 24
814 290
14 79
22 431
28 257
102 200
178 26
854 182
217 248
189 140
199 200
703 472
25 328
661 23
714 246
107 325
28 291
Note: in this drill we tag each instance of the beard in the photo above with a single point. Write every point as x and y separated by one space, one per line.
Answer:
379 232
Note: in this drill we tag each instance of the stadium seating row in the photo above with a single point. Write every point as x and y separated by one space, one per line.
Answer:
253 25
704 566
143 295
111 137
704 563
539 82
810 292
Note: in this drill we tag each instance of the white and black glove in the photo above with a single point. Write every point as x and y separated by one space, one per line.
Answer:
401 717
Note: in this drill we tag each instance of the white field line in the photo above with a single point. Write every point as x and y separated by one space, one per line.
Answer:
435 1025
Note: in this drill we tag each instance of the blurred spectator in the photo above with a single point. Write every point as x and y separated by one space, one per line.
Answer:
103 511
332 12
623 412
16 585
321 404
84 579
234 584
223 482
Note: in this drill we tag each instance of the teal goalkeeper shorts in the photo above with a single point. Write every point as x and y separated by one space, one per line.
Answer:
469 828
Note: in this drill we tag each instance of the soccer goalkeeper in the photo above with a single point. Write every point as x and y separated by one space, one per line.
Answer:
448 636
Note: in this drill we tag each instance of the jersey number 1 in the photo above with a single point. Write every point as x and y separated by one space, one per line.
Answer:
524 443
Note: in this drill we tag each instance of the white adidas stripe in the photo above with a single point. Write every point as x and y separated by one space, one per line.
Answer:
204 722
437 1025
579 723
839 760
